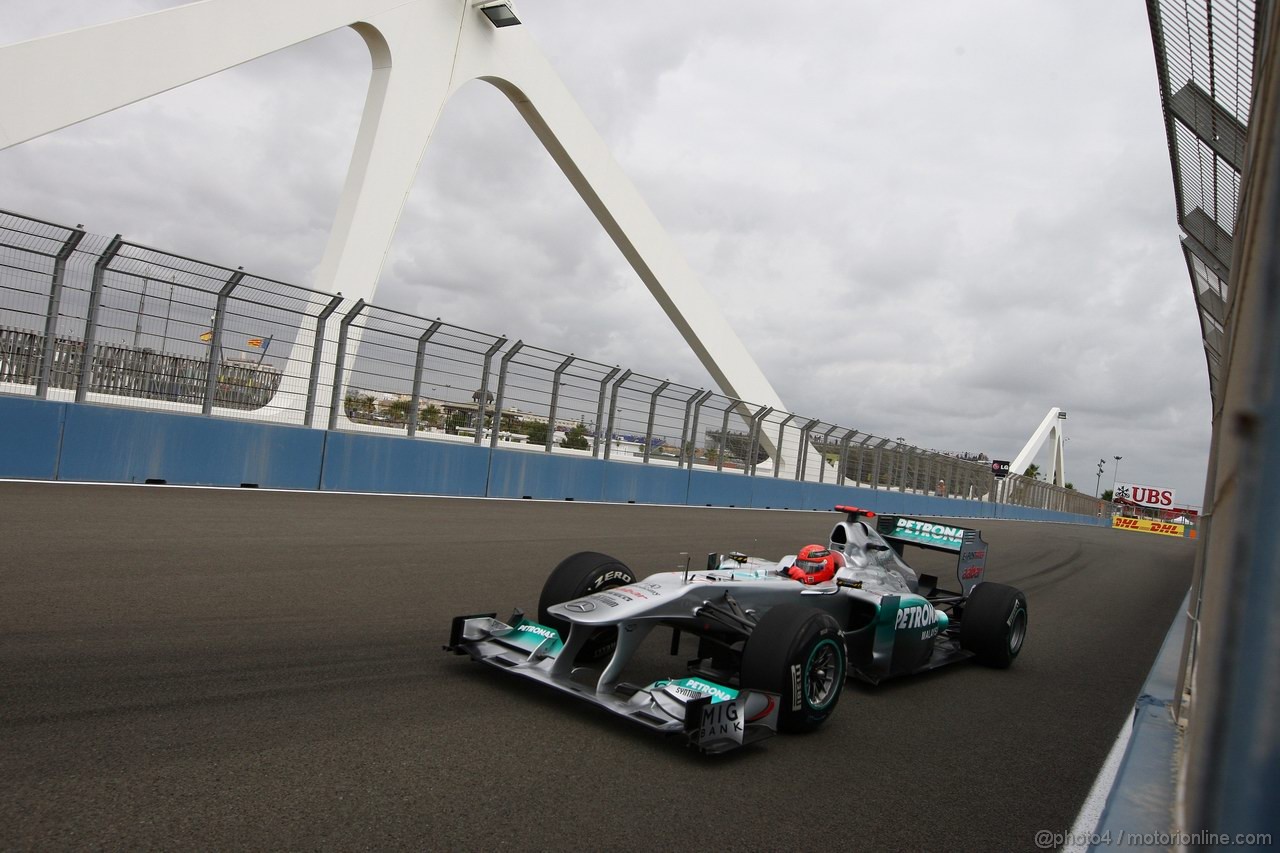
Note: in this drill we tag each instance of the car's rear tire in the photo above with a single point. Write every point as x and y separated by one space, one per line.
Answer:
798 653
993 624
580 575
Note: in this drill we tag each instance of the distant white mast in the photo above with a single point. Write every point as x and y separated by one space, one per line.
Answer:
1050 429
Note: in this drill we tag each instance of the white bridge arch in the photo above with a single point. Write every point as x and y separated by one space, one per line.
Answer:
422 52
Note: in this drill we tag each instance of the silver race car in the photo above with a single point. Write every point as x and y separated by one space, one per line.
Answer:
773 650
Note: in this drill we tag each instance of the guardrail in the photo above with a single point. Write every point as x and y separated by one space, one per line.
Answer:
178 334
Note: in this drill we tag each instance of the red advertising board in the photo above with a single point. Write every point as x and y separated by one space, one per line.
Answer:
1149 496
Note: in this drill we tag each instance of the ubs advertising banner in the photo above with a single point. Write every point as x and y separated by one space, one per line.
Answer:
1151 496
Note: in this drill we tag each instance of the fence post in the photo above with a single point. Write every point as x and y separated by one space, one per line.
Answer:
802 458
555 399
702 399
904 453
724 432
862 450
777 450
844 457
753 446
502 390
51 312
91 319
653 412
613 409
344 331
826 436
604 384
419 360
684 426
802 455
313 379
215 342
483 394
876 463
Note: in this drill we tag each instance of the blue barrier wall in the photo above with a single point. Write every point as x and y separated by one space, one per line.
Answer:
76 441
30 437
541 476
106 444
645 484
354 462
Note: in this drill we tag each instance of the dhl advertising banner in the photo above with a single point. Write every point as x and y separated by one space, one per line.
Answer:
1147 525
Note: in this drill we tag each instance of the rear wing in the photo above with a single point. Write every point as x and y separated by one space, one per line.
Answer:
899 530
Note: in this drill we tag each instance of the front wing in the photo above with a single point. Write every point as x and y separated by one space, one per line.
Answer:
712 717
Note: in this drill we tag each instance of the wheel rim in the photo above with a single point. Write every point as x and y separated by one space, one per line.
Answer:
1017 629
823 674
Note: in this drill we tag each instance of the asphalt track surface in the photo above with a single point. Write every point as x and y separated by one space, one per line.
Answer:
225 669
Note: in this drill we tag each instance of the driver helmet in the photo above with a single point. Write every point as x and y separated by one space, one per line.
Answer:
817 560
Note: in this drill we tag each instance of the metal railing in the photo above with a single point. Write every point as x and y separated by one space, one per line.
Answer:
177 334
1204 64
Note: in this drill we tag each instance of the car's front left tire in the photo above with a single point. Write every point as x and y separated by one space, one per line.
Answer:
580 575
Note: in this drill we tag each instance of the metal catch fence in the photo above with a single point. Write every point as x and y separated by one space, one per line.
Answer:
178 334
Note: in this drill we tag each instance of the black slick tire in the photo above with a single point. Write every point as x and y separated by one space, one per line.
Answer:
580 575
993 624
798 653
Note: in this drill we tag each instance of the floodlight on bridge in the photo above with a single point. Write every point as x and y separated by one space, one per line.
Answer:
500 14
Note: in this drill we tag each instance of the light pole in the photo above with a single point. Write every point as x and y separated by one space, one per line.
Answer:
142 309
1102 463
168 312
1115 473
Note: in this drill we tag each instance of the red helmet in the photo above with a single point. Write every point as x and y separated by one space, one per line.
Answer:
815 564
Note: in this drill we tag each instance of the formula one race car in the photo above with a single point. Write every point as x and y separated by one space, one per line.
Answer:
775 644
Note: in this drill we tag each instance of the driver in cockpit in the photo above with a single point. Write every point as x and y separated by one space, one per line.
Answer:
815 564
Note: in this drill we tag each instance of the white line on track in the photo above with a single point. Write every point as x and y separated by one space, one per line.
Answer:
1091 812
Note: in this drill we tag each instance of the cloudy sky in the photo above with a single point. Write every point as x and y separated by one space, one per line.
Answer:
930 219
